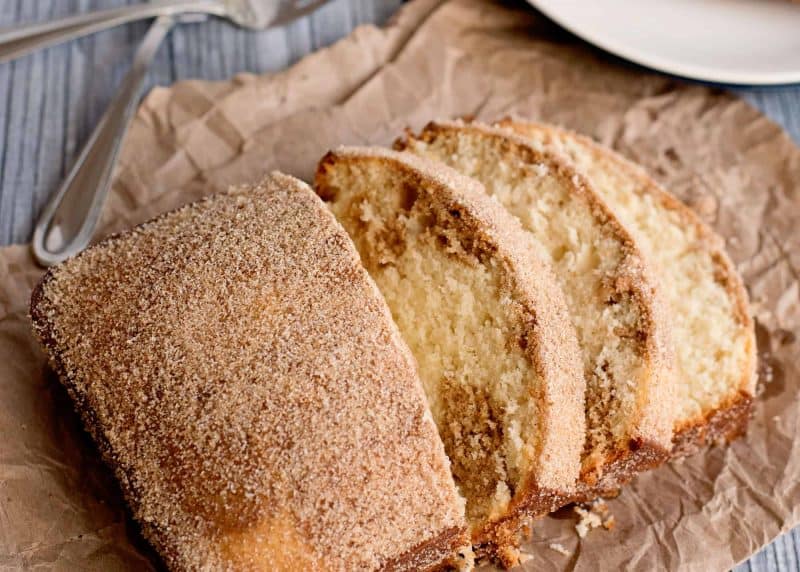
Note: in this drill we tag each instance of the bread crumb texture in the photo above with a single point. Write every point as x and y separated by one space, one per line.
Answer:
482 315
241 373
712 328
594 514
558 547
619 321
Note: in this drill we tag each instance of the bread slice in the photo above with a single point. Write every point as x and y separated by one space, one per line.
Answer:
613 302
486 322
713 330
242 375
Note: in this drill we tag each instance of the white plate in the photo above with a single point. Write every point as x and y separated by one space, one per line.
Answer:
746 42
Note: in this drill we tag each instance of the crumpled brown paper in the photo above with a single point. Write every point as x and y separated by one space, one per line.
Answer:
60 509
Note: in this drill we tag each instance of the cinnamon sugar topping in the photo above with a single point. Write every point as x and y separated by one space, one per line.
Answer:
242 375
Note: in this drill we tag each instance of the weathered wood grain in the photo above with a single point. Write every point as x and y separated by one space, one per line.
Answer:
49 101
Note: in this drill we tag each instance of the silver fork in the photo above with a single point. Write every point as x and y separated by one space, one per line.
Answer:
69 219
253 14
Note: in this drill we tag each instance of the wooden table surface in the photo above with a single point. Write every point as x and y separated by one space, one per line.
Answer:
50 101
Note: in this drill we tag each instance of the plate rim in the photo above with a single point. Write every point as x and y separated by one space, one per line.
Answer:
668 66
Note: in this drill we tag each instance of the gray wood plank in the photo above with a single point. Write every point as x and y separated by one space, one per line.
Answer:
42 128
50 101
781 104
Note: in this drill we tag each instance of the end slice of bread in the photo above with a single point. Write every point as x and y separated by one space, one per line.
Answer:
712 327
487 323
242 376
613 302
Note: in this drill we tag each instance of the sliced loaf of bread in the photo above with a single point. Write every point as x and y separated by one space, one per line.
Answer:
712 328
614 304
487 323
242 375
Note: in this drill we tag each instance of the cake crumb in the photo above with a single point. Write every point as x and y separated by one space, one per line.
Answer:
525 557
588 521
767 373
593 515
559 548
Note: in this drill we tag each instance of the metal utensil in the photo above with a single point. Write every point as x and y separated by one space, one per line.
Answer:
70 217
254 14
68 221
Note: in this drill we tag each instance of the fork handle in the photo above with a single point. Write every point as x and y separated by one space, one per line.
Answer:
21 40
68 221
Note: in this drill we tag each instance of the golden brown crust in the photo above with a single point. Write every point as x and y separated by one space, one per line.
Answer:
501 538
445 551
651 430
730 419
722 425
182 500
45 329
621 469
442 551
553 348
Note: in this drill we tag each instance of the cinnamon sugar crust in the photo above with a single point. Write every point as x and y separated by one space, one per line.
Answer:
391 203
720 426
727 416
242 376
621 274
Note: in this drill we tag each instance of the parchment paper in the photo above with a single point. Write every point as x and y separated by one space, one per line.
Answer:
60 508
